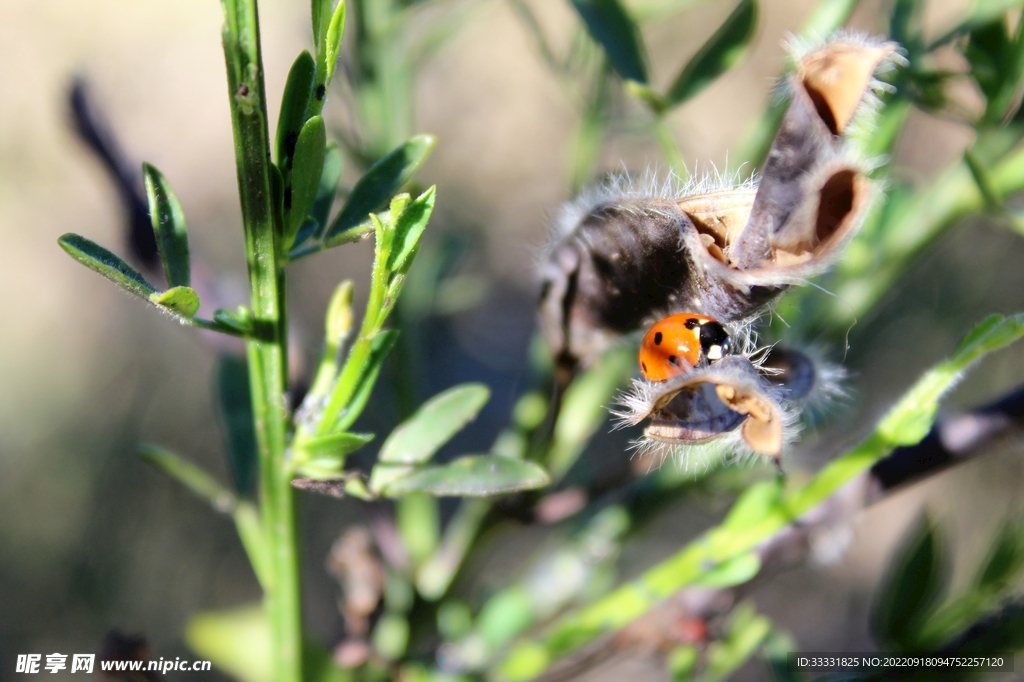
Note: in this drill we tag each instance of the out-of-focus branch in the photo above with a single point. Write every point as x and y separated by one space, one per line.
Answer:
820 534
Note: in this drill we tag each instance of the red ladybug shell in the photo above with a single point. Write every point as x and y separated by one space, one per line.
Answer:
681 342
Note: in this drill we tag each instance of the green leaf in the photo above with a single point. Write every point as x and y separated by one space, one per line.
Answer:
911 419
336 445
338 320
328 189
320 468
419 525
583 407
190 476
382 345
914 583
378 184
471 476
416 439
168 220
298 91
454 619
721 52
391 635
505 615
180 301
1005 560
233 394
320 10
250 531
746 631
237 642
95 257
240 321
611 27
307 170
735 571
409 228
334 35
682 662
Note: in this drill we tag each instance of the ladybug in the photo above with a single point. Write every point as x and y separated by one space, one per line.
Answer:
681 342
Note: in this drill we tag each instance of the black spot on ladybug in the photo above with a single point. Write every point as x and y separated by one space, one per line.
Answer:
657 338
673 360
287 198
692 323
643 366
320 91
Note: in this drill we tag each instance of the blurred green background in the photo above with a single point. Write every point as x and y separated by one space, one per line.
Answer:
92 539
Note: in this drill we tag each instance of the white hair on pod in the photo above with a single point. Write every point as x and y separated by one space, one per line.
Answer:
623 186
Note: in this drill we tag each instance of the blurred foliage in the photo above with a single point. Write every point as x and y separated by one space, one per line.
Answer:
425 625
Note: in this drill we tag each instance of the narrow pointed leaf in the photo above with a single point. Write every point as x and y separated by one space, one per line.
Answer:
409 228
913 586
190 476
328 189
250 531
168 220
180 301
95 257
297 93
336 445
613 29
233 395
378 184
304 183
320 13
382 345
720 53
1005 560
471 476
419 437
307 230
335 32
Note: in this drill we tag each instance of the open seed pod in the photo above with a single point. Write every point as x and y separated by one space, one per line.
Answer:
733 398
809 202
627 254
708 403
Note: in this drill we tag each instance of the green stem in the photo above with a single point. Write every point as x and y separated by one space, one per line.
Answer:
267 350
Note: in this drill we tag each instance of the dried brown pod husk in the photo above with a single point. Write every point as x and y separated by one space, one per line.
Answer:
628 254
752 404
708 403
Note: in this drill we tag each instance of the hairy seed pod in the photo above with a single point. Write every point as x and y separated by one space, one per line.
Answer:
753 402
627 254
